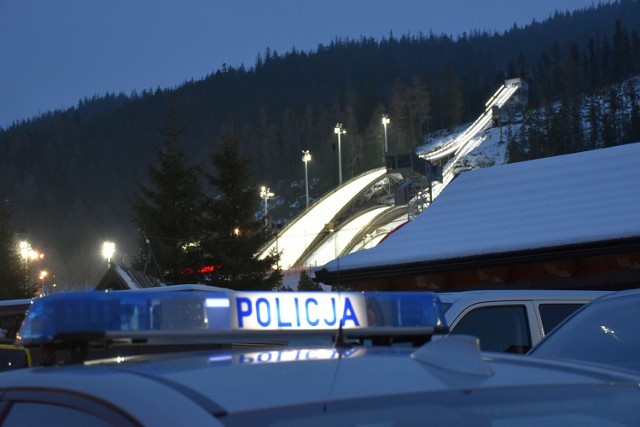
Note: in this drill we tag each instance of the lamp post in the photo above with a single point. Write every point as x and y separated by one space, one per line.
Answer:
385 122
108 249
43 274
265 193
339 130
25 253
25 248
28 253
306 156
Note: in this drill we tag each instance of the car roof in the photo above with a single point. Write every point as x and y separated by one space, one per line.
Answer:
238 380
15 302
519 294
627 293
232 380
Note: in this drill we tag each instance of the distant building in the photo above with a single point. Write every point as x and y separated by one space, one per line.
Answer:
566 222
120 278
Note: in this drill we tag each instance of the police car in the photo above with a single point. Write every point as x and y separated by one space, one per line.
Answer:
225 358
606 331
524 316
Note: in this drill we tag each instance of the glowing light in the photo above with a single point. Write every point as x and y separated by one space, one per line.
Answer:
306 157
266 194
108 249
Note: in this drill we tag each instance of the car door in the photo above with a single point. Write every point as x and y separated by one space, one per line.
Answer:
501 326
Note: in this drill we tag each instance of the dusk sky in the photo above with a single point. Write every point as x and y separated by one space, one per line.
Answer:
56 52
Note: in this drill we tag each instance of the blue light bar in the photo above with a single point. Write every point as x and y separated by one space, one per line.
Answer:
170 311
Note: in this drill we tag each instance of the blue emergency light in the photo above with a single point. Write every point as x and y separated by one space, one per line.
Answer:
224 312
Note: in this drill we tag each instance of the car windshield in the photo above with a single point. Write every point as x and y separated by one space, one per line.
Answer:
522 406
606 332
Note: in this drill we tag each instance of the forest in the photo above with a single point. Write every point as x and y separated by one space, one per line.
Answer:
69 177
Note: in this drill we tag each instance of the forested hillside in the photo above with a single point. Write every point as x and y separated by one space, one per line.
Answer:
69 176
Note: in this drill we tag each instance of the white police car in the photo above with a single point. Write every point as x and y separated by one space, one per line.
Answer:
606 331
511 321
237 378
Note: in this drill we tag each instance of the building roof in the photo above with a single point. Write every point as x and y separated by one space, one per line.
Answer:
121 278
575 199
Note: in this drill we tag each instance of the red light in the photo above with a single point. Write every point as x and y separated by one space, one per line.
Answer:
207 269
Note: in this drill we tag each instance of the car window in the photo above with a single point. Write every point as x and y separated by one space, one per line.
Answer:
31 407
553 314
31 414
606 332
9 326
10 320
500 328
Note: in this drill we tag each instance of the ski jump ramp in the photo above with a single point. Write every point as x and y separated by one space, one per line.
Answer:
295 240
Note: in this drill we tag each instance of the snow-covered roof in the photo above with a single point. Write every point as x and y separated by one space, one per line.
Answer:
571 199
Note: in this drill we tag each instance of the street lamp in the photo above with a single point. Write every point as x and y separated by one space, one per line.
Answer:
266 194
306 156
43 274
28 253
108 249
24 250
385 122
338 130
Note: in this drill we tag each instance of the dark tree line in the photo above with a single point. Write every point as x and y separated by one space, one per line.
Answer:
604 119
78 169
579 104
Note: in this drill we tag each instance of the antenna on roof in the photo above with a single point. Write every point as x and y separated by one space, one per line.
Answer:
150 256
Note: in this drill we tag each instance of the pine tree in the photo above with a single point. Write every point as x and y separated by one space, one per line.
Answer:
612 122
306 284
13 275
411 109
233 235
168 214
400 139
632 125
451 98
622 58
419 108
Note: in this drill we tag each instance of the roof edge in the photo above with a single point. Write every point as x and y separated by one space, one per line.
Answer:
580 250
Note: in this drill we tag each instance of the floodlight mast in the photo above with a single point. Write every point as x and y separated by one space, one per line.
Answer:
306 157
266 194
339 130
385 122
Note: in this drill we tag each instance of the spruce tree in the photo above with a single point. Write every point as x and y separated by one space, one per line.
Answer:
167 214
306 284
419 109
451 98
632 125
233 235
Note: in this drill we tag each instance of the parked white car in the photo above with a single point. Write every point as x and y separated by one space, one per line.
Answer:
510 321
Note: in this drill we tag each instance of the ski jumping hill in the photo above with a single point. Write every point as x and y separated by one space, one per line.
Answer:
322 233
